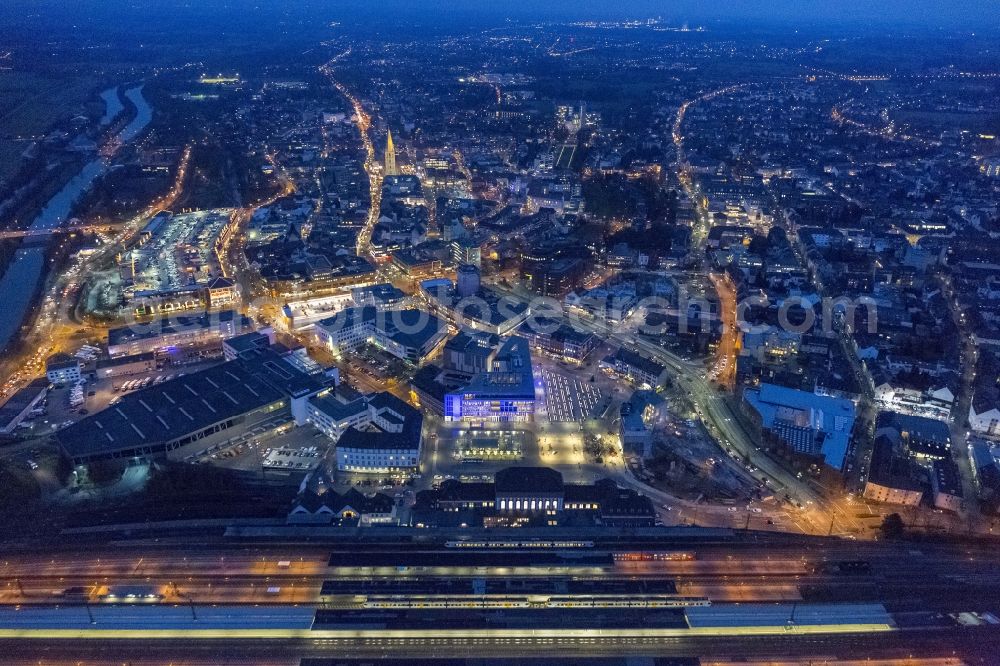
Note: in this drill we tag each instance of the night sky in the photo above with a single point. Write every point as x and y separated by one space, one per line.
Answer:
965 15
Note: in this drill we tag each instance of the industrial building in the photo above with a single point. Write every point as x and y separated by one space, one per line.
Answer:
20 405
233 347
259 390
123 366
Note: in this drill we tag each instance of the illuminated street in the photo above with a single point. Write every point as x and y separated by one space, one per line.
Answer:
458 334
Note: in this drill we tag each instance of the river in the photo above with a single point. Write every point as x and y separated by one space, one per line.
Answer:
112 106
20 281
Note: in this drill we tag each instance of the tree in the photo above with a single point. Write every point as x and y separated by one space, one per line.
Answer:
892 526
106 472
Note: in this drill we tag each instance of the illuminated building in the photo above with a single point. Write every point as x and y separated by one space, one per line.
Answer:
411 335
169 332
637 369
62 369
382 296
333 413
535 496
505 394
529 490
558 339
390 157
222 292
390 442
805 422
466 251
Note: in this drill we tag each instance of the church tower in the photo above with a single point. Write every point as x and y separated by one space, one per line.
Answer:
390 157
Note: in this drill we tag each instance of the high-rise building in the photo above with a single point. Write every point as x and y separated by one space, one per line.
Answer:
467 280
467 250
390 157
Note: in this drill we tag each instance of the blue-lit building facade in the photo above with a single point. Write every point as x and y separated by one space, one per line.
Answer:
504 394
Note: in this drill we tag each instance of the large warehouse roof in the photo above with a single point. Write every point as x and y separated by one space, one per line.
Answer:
168 411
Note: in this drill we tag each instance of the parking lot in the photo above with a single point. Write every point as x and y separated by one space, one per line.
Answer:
453 451
569 399
179 247
297 459
248 450
370 368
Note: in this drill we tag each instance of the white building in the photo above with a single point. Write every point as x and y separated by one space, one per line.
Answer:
389 442
984 413
333 415
60 370
411 335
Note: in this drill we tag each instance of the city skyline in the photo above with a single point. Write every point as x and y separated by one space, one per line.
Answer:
440 333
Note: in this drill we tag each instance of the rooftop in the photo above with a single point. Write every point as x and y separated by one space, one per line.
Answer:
405 421
173 324
338 409
511 373
466 341
410 328
630 358
915 428
833 418
528 480
171 410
